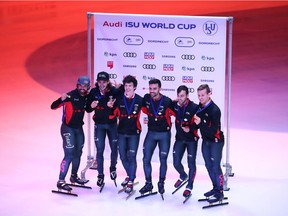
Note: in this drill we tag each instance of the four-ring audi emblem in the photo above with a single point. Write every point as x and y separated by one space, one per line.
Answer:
207 68
129 54
187 57
149 66
112 76
168 78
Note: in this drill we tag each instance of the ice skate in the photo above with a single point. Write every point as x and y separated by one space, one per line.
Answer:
125 182
129 189
215 200
179 184
161 189
217 197
146 190
187 194
210 193
77 182
63 188
113 175
100 181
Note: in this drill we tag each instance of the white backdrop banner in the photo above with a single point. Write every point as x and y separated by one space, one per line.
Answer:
178 50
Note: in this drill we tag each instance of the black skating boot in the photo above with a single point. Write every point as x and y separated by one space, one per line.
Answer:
179 182
217 197
100 180
210 193
129 187
148 187
125 182
113 173
187 192
75 179
161 189
61 185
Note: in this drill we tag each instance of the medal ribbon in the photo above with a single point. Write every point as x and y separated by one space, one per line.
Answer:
129 109
160 103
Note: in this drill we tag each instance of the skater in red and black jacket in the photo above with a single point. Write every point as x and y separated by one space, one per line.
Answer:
128 110
186 138
208 120
158 108
73 104
101 100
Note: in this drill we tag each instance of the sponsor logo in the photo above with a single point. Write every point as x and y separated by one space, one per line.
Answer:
168 56
107 54
130 66
187 79
149 55
207 58
158 41
110 64
107 39
184 68
210 28
184 42
166 89
149 66
133 40
209 43
206 80
112 76
168 78
207 69
191 90
187 57
112 24
129 54
168 67
147 77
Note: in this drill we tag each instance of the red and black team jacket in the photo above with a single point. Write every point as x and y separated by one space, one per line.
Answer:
158 112
73 109
210 125
184 117
128 111
102 111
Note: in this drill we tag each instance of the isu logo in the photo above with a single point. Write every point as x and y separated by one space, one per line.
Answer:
112 76
168 78
207 69
188 57
149 66
129 54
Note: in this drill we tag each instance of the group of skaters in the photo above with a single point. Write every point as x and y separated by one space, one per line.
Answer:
117 110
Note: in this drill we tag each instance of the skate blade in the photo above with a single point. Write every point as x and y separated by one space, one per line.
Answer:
79 185
182 184
215 204
130 194
123 189
206 199
146 195
187 198
65 193
101 188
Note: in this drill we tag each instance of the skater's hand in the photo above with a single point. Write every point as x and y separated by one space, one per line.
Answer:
111 102
64 96
197 120
94 104
186 129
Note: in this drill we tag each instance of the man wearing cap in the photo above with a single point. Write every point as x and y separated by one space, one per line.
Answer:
74 104
101 100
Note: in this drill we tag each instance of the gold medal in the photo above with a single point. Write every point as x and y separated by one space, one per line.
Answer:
129 117
156 119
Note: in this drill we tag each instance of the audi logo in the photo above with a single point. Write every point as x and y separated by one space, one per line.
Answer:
188 57
129 54
149 66
191 90
207 69
112 76
168 78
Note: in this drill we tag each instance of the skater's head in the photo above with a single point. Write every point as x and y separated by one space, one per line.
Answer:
102 81
83 85
204 94
182 95
154 88
130 84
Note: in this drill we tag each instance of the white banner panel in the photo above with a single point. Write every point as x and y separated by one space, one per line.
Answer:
178 50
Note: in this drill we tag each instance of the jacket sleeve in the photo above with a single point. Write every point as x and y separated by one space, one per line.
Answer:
56 104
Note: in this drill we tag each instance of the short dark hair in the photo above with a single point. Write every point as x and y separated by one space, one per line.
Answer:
130 79
155 81
182 88
204 86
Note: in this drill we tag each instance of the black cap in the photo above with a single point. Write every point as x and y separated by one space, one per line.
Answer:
103 76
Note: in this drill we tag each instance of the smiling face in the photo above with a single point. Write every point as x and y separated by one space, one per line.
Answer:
102 84
154 90
129 89
82 89
203 96
182 97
